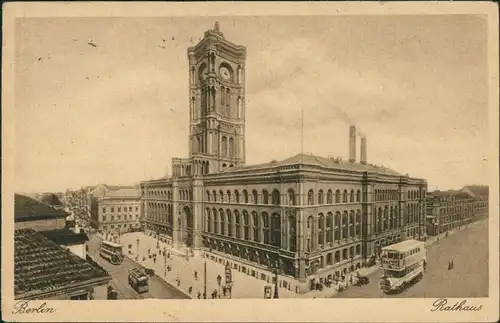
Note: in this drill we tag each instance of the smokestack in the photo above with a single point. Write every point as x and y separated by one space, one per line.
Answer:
352 144
362 158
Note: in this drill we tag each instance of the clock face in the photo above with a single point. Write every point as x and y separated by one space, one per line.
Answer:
225 73
203 73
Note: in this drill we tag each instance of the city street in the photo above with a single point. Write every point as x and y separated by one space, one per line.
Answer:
157 287
469 278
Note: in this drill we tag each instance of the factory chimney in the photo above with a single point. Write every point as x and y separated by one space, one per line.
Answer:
352 144
363 158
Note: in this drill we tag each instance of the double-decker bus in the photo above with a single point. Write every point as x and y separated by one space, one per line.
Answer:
112 252
403 264
138 279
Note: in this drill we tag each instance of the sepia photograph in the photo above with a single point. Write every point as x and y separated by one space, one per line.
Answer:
250 157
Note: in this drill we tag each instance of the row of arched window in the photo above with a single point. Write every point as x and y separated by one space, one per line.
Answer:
413 195
345 197
338 256
386 195
160 193
184 194
228 197
159 212
331 227
275 197
228 147
261 228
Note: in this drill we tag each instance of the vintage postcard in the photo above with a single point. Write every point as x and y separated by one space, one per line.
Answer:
292 162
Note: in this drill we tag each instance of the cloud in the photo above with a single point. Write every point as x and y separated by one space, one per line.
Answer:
418 93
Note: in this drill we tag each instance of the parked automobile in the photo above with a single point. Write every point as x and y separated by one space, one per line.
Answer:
112 294
150 271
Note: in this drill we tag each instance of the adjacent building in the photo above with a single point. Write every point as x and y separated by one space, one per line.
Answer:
45 270
448 210
309 217
49 257
480 193
115 209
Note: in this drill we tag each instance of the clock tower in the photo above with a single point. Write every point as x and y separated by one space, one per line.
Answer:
217 103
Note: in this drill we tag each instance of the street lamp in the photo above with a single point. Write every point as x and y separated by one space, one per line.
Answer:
205 280
275 268
219 280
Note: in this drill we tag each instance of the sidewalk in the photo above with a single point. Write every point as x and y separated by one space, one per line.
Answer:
244 286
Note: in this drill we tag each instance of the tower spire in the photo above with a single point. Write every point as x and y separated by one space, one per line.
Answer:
216 28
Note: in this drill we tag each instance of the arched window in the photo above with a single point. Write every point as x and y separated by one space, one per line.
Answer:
345 197
321 229
337 256
352 197
224 146
321 197
245 196
214 194
310 197
276 230
222 96
379 220
345 224
291 197
236 196
208 196
265 227
311 237
276 197
329 197
386 218
229 223
337 226
292 233
246 222
255 225
358 223
329 227
351 224
255 197
209 221
222 222
265 197
216 224
237 221
231 147
221 193
337 196
358 196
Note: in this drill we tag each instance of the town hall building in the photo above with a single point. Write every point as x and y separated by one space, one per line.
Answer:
307 216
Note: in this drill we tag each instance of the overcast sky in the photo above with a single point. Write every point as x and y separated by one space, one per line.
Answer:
117 113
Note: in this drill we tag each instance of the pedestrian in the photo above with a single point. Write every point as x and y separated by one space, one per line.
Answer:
190 289
204 295
195 275
224 290
199 295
